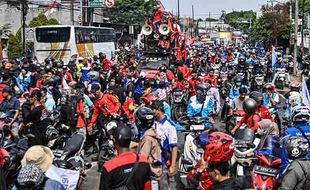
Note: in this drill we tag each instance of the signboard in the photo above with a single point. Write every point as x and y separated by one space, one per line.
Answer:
102 3
29 34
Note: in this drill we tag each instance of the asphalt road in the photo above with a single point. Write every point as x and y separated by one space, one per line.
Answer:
93 176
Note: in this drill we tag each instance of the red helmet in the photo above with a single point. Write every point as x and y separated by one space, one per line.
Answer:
220 147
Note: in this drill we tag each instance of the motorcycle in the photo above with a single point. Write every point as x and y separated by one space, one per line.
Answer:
179 103
258 82
191 152
245 144
69 159
12 153
281 78
265 173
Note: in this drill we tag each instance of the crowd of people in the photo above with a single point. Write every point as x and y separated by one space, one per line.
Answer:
87 94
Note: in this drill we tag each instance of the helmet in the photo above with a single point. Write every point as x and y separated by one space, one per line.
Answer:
297 147
241 59
144 117
295 85
257 96
220 147
249 106
93 75
201 86
300 114
238 81
270 86
294 99
122 135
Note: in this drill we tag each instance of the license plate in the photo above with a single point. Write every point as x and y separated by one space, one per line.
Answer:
197 127
266 171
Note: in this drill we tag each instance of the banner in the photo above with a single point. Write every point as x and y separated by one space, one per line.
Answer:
305 93
68 178
274 57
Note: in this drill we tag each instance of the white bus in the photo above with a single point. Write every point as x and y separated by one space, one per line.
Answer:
65 41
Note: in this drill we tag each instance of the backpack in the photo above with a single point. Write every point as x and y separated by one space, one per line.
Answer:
68 115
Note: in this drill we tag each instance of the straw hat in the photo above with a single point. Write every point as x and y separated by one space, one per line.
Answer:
38 155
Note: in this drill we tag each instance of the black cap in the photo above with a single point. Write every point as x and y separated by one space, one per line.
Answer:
94 88
8 90
122 135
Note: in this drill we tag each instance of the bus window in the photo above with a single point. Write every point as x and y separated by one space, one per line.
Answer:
49 35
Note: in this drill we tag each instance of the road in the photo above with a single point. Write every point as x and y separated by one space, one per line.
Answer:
93 176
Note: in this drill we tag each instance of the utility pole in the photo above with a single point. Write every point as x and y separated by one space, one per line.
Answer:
210 22
302 26
24 14
72 11
179 11
193 21
295 38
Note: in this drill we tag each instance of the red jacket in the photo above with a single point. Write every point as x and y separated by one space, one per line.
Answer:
264 113
179 85
212 79
2 86
251 121
204 179
108 105
127 107
106 64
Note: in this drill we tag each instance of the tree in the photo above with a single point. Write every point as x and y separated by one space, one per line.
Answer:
273 25
239 19
4 32
132 12
15 42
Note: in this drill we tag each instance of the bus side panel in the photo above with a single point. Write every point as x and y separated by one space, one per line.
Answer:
61 51
85 50
105 47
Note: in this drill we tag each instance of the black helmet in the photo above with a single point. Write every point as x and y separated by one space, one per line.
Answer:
238 81
249 106
122 135
297 147
144 117
257 96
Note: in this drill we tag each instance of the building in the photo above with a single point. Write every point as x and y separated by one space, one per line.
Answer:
67 12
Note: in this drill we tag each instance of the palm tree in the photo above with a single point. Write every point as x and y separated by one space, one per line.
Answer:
4 32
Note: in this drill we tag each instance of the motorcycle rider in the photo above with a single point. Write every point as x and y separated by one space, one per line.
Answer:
262 111
300 117
105 105
271 98
10 106
238 102
166 129
279 65
211 77
23 80
251 118
149 145
297 174
234 91
127 170
201 104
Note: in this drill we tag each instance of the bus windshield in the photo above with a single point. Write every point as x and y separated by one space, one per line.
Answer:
53 34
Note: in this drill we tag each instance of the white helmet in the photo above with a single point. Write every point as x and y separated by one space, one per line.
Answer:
93 75
300 114
294 99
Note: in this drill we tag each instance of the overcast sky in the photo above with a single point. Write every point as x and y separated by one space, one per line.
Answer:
203 7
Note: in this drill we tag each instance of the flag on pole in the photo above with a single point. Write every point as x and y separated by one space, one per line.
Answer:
305 93
274 57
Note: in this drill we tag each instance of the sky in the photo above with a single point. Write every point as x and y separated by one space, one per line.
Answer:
203 7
